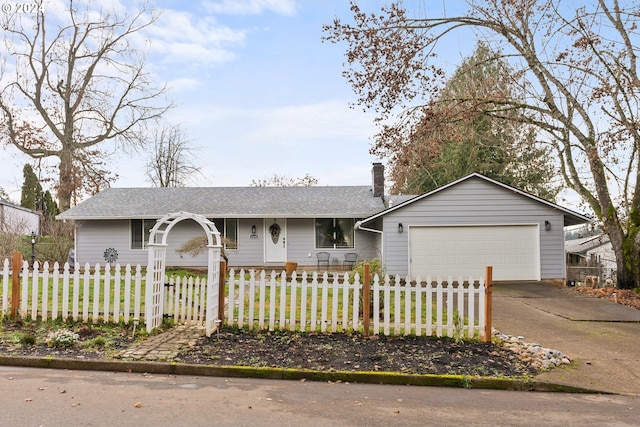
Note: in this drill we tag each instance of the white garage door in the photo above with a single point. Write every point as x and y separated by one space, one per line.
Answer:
512 250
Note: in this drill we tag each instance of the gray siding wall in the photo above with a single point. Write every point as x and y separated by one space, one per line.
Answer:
93 237
475 202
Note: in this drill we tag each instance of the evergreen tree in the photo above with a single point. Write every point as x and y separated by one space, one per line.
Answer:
31 196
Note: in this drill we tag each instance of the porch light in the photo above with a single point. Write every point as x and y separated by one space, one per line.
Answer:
547 225
400 227
253 229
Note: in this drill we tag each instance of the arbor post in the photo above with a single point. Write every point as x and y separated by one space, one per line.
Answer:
221 292
15 283
488 297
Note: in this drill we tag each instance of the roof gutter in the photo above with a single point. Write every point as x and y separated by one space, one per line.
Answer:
358 226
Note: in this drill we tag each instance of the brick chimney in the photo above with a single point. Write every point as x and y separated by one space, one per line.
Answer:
377 175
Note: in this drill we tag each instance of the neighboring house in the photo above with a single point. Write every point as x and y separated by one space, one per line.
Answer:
15 219
457 229
593 252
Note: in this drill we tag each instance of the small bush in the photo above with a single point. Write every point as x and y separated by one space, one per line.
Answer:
27 339
62 338
375 267
97 343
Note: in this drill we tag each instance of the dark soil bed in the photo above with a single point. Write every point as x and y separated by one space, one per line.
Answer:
341 352
323 352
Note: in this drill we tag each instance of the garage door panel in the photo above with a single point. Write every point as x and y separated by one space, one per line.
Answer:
512 250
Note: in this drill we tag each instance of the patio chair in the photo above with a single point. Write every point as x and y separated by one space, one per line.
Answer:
350 259
323 258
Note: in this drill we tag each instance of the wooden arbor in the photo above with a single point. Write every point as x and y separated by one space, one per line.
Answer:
157 247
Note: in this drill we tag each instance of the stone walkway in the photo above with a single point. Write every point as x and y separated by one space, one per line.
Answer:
164 346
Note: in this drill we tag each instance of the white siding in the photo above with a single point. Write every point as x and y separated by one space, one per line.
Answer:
16 220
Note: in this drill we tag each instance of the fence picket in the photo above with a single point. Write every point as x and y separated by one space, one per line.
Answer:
397 315
314 301
137 293
5 287
293 306
252 298
45 291
76 294
231 301
303 302
376 305
356 302
106 303
283 299
127 293
439 307
334 304
96 293
116 293
325 302
54 296
346 288
261 307
407 306
35 290
471 308
418 298
450 306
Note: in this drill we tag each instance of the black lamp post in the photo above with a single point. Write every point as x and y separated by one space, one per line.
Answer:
33 248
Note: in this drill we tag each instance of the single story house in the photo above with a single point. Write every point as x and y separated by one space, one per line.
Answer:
591 256
16 219
454 230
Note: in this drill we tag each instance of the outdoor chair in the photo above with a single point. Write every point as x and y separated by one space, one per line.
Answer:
323 258
350 259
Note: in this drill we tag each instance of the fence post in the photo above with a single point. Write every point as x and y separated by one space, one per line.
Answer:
15 283
488 296
366 299
221 285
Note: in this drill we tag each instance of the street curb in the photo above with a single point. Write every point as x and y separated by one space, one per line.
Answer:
390 378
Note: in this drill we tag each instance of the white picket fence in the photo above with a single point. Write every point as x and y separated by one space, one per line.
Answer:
310 302
306 302
99 294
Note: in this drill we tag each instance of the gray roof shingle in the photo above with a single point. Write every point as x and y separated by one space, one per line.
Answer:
239 202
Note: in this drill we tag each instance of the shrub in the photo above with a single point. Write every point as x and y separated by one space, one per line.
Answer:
375 267
62 338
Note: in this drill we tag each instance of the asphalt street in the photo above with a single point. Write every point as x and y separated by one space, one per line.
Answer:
48 397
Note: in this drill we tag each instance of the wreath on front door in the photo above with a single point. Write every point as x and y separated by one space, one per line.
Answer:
274 230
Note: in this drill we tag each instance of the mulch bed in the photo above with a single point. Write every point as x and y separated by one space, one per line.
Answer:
343 352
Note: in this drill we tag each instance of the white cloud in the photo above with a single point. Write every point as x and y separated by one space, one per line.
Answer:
183 38
252 7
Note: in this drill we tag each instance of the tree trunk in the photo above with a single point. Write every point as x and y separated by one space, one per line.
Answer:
627 250
66 184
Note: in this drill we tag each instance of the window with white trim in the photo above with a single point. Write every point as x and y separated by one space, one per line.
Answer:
140 230
332 233
228 228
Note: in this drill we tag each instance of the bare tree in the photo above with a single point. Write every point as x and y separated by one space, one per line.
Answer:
276 180
69 87
172 162
578 69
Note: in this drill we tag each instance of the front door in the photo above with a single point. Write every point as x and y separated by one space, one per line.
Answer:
275 240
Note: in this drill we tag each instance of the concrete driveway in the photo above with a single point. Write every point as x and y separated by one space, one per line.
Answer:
601 337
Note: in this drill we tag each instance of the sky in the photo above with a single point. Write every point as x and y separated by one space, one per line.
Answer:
256 91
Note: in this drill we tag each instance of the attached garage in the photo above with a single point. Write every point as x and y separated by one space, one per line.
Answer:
512 250
467 225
